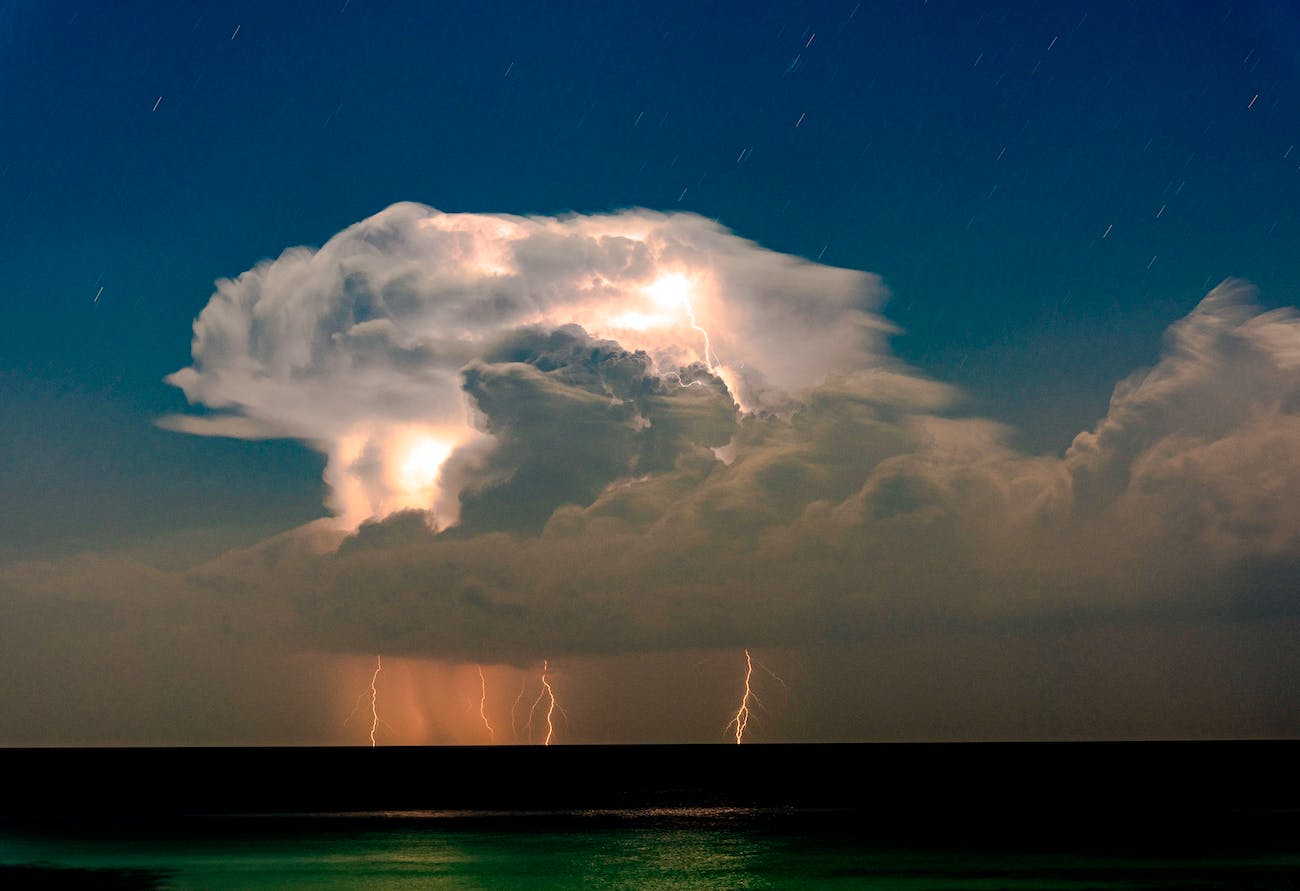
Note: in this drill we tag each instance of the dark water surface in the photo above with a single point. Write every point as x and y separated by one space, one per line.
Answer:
958 816
666 848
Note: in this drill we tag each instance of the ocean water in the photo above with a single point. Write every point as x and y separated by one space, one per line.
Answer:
667 848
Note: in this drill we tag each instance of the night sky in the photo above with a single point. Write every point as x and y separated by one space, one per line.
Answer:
1002 471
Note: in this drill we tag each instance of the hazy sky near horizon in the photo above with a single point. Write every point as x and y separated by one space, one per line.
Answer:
996 433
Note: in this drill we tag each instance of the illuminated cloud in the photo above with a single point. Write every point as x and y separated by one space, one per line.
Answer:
640 432
1203 450
866 509
619 504
398 347
604 483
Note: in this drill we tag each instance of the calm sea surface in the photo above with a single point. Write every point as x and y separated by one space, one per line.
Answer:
671 848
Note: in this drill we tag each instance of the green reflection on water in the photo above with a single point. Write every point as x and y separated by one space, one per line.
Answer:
399 854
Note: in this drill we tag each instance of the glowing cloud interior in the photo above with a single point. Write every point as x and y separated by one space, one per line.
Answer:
359 347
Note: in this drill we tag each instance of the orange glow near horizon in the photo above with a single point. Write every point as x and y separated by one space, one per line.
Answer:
423 701
413 700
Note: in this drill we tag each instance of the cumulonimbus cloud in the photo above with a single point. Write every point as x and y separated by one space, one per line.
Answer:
533 454
383 348
603 477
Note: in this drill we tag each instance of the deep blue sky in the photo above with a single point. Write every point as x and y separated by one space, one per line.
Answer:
973 154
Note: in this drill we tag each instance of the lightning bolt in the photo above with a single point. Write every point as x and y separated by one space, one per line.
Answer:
550 711
482 704
674 291
374 700
776 677
549 694
741 719
710 358
356 707
678 378
514 724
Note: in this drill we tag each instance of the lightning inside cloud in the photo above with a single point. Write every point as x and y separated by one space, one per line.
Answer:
362 348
